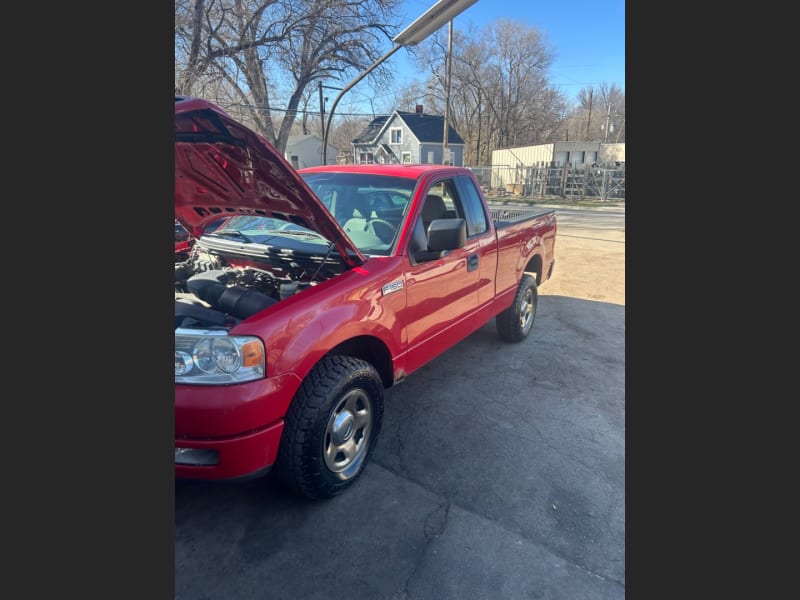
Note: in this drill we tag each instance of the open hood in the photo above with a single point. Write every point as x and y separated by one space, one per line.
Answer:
222 169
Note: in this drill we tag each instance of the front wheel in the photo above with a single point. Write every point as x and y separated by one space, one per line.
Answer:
331 427
515 323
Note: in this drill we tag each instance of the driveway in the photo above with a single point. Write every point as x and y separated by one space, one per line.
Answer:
499 473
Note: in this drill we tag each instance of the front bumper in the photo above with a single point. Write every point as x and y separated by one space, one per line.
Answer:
231 431
240 457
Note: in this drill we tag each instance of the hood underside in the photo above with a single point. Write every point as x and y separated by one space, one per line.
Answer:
223 168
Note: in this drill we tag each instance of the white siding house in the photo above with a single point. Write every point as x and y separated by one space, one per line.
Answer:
306 151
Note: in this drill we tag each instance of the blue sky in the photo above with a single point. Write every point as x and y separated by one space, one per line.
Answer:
587 37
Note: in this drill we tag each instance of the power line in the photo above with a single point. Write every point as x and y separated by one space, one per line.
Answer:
299 111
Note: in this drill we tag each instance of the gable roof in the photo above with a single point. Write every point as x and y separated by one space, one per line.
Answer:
372 130
428 129
389 152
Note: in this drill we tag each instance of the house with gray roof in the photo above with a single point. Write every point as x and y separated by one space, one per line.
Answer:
408 137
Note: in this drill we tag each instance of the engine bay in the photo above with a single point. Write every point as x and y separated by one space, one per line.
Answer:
216 289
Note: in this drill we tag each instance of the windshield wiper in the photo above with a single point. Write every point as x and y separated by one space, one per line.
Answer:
232 233
298 232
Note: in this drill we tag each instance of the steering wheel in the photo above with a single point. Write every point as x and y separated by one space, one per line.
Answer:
384 230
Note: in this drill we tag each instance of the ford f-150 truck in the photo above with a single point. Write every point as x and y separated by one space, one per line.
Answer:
320 289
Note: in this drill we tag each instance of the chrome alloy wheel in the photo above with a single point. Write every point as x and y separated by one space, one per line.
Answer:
527 309
348 432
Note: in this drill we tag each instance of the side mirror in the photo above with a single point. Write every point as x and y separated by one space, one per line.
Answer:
447 234
443 235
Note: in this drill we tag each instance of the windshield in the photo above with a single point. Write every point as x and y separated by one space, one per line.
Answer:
261 230
368 207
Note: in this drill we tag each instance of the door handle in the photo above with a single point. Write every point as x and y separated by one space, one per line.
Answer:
472 262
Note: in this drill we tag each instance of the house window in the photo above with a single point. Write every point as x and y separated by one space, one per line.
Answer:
406 158
396 136
430 158
366 158
295 161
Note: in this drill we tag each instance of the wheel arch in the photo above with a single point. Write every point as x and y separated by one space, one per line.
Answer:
534 267
371 350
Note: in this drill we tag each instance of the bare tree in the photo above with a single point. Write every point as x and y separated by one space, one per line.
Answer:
347 128
500 95
525 108
599 114
259 57
189 15
262 61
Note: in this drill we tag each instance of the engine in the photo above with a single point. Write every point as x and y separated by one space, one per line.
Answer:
210 294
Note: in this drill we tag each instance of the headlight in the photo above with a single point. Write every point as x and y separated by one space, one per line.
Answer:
216 358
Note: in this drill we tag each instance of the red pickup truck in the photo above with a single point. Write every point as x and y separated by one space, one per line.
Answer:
320 289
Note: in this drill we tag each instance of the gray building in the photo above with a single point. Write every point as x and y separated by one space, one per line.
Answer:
408 137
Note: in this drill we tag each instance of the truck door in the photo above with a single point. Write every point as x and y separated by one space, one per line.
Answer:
479 232
442 293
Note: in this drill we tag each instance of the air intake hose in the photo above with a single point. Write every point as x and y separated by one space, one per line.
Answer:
235 300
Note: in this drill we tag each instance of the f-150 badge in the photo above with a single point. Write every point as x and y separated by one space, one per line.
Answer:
395 286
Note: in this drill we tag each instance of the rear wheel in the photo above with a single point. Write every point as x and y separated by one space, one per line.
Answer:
331 427
515 323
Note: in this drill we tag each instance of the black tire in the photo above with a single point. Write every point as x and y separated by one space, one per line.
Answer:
331 427
515 323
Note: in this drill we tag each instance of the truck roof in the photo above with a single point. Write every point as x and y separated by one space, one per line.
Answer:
410 171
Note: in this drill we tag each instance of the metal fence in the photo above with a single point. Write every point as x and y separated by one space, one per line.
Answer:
564 181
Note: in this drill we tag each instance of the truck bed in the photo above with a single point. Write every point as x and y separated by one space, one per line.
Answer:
504 216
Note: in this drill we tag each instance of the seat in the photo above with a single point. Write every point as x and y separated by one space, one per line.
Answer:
353 212
361 205
418 242
434 208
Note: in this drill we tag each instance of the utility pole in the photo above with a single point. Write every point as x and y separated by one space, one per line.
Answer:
448 62
322 102
608 119
589 120
321 109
